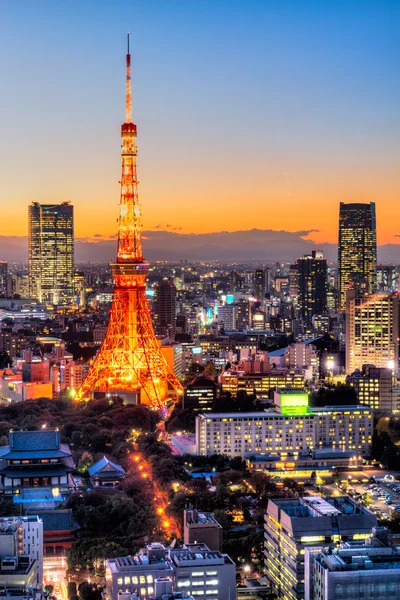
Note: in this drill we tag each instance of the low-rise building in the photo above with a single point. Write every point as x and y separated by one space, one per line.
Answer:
137 574
192 571
200 395
202 528
106 473
204 573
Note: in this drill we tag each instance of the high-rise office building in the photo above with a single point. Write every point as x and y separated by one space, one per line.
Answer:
3 278
259 284
243 315
372 331
293 525
312 285
164 309
227 316
51 252
357 249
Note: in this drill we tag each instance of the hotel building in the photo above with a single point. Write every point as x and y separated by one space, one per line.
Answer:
293 431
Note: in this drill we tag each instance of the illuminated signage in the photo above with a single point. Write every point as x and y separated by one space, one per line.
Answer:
293 404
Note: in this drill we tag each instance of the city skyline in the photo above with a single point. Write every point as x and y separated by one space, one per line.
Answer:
311 128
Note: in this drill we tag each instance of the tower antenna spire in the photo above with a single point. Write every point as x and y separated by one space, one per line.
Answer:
128 96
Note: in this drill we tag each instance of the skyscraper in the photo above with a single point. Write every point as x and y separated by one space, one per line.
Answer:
51 252
357 249
259 284
3 277
372 331
312 285
164 309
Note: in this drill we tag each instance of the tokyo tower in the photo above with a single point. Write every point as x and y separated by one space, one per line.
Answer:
130 359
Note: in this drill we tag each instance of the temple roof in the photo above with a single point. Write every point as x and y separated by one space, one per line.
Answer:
35 471
105 467
40 444
57 520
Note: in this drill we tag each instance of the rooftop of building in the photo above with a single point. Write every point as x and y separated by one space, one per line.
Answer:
56 520
16 565
359 558
39 440
348 407
193 517
106 467
197 555
248 415
312 507
41 444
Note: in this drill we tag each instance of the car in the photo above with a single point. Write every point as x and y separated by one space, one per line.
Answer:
388 502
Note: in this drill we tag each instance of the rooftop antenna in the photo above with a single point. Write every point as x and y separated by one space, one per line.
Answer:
128 98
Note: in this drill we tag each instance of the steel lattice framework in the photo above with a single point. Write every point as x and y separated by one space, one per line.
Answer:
130 358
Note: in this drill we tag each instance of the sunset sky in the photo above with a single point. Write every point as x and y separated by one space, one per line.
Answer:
250 113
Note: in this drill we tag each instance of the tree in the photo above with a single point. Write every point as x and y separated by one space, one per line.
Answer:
85 461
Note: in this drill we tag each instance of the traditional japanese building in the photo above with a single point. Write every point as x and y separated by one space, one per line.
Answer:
59 530
35 468
105 473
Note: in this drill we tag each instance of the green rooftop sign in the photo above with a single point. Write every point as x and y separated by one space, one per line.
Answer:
294 404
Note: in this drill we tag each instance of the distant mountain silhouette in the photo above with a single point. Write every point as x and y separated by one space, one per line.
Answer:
255 245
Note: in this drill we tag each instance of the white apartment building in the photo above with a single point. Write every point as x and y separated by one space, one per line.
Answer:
22 537
242 434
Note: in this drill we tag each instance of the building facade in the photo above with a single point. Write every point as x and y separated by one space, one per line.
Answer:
21 545
352 571
193 571
51 253
341 428
164 309
3 278
312 285
356 249
292 525
374 387
202 528
372 331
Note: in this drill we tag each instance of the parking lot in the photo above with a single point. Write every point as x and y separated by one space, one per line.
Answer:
385 495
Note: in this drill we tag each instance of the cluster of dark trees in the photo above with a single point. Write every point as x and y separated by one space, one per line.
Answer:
385 448
334 395
110 525
98 427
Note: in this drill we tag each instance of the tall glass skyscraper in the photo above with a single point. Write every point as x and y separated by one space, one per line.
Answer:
51 252
356 250
312 285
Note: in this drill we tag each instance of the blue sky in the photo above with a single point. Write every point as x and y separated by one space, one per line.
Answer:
257 104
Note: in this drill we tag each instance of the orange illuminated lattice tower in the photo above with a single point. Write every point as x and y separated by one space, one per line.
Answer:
130 359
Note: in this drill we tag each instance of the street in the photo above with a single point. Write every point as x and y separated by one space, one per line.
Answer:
54 569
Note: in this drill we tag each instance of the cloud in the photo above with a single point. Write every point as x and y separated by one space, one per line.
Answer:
255 245
98 235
